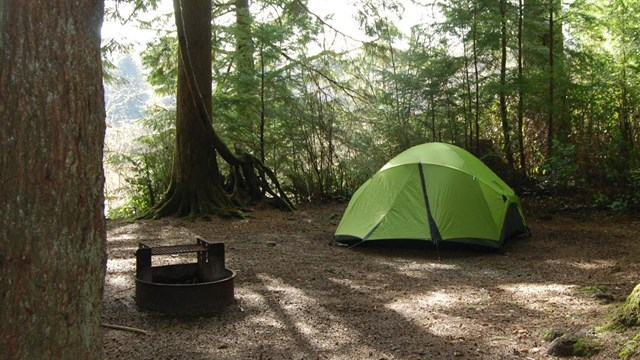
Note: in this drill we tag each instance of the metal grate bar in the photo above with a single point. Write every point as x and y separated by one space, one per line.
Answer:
177 249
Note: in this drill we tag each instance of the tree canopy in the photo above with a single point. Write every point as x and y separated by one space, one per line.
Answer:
544 91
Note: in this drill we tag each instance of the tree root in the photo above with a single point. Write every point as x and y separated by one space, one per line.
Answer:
254 177
196 188
249 183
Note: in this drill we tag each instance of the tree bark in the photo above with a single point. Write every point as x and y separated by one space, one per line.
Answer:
246 85
550 119
503 84
196 184
523 165
196 187
476 73
263 105
52 228
624 117
467 81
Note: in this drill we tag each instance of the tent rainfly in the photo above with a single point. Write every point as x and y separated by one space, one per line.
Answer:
436 192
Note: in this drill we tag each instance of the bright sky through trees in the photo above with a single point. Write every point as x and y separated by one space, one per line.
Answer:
342 18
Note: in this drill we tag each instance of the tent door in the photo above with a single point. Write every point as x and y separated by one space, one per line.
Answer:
433 228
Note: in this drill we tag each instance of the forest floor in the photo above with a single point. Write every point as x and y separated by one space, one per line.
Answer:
299 296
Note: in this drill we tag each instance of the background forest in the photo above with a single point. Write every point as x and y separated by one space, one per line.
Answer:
544 91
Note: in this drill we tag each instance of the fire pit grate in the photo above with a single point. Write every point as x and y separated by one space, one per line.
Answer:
184 289
175 249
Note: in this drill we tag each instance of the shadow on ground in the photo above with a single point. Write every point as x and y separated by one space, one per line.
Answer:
298 297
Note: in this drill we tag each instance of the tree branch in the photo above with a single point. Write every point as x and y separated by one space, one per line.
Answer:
350 92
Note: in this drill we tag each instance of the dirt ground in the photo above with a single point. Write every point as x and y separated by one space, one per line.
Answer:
298 296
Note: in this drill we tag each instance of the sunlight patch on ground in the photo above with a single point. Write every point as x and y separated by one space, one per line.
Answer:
419 266
128 251
429 310
251 300
120 281
315 324
539 297
417 269
584 265
365 285
123 237
268 320
177 235
120 265
125 232
422 270
452 326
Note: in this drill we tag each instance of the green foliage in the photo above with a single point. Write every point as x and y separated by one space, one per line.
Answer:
634 188
560 170
325 120
631 348
161 56
626 198
146 167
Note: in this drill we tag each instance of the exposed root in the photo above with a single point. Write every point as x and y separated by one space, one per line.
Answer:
251 180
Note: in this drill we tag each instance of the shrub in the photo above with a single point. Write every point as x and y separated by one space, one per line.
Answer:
146 168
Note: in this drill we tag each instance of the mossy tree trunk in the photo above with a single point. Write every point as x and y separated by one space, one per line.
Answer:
629 314
197 188
52 229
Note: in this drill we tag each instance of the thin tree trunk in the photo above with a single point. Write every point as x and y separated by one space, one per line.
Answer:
503 84
466 123
262 107
476 74
52 228
453 131
626 131
247 84
523 165
469 97
396 91
433 117
550 124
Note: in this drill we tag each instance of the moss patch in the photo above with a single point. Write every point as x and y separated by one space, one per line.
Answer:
629 314
570 345
630 348
592 290
552 333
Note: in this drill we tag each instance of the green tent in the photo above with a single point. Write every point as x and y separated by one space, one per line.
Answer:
436 192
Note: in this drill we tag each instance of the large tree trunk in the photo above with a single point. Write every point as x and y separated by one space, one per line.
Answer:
196 187
52 230
196 184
